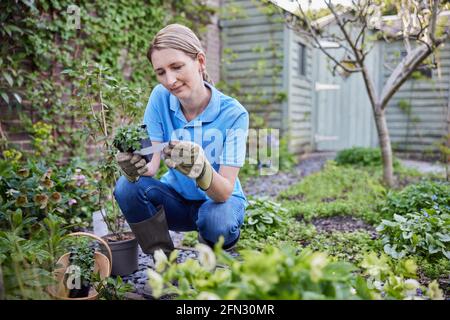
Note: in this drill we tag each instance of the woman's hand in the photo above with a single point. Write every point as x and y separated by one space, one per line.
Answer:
189 158
132 165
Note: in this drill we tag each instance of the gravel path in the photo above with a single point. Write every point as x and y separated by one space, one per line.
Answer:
272 185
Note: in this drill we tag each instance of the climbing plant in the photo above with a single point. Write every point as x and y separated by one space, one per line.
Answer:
42 38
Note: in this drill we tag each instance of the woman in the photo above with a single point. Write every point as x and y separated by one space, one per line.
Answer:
208 131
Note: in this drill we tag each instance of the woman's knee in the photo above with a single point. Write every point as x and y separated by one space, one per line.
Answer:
220 219
129 192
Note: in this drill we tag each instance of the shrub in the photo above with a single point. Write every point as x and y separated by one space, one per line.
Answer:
414 198
38 189
361 156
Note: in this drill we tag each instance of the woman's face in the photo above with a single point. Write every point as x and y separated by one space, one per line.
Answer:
178 73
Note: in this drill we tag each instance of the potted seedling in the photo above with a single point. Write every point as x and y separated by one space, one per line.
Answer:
81 264
133 138
121 240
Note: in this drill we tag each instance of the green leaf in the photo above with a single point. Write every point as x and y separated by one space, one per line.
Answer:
8 78
443 237
5 97
399 218
18 98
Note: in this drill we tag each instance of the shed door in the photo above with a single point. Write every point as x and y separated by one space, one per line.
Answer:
343 115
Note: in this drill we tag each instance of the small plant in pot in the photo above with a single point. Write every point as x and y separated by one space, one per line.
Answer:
133 138
79 273
121 240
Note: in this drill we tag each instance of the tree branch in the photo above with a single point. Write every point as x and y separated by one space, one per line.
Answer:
313 35
403 71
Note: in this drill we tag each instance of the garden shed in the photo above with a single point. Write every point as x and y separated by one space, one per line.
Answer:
319 111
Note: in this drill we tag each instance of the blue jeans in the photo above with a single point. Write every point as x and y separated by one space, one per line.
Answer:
139 200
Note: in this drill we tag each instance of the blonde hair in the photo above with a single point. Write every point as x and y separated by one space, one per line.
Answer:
178 37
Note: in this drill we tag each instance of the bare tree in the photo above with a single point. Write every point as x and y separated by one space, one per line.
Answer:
419 21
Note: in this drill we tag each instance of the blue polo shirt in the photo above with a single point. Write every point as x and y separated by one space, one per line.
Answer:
221 129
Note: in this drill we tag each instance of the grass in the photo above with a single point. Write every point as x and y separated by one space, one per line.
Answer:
335 190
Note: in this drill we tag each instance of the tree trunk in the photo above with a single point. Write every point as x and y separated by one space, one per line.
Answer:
385 145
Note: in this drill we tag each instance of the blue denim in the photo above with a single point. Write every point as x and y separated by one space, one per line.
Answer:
139 200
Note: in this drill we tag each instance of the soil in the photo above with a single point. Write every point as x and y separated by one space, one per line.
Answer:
342 224
114 238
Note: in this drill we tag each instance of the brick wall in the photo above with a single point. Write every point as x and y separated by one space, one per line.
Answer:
9 118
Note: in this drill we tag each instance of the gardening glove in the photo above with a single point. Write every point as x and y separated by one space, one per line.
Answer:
189 158
132 165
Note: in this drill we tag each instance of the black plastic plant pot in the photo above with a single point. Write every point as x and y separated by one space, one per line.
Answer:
145 143
80 293
125 256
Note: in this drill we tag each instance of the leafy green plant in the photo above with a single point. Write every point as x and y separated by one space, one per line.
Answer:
27 262
424 233
81 257
436 268
262 214
39 38
396 280
344 246
38 189
271 274
112 288
414 198
118 106
128 138
361 156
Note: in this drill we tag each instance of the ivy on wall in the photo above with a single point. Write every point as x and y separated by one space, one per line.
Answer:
42 38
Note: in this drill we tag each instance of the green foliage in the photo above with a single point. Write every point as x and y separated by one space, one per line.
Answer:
40 38
262 215
436 268
82 257
424 233
271 274
107 103
391 279
128 138
360 156
190 238
26 262
419 221
285 230
111 288
43 141
344 246
37 190
333 191
415 197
